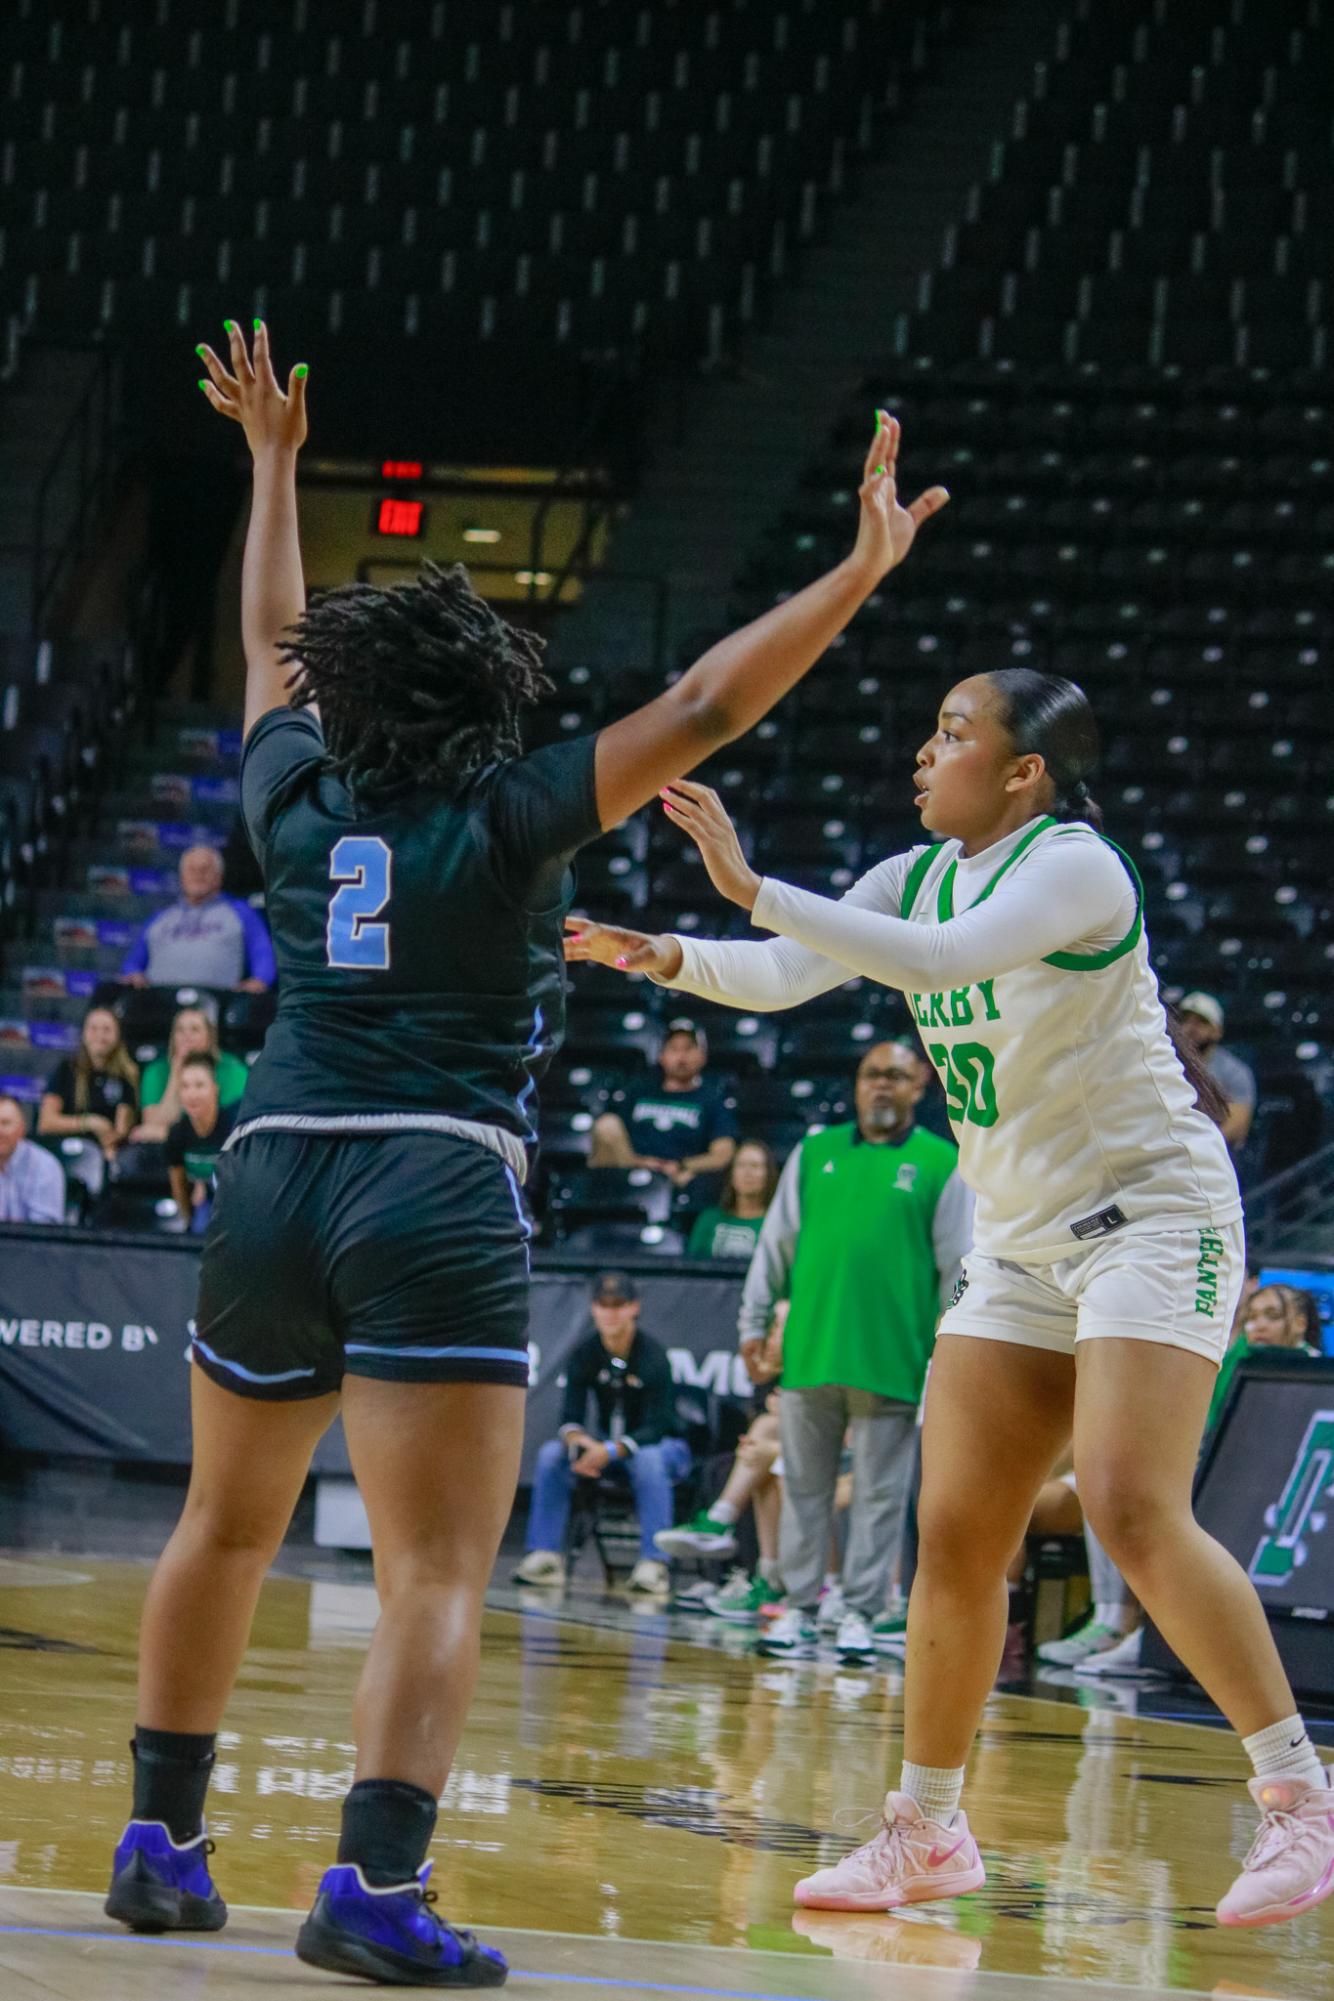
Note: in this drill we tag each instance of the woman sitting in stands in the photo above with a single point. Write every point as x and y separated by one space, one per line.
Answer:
1278 1316
95 1091
732 1229
194 1032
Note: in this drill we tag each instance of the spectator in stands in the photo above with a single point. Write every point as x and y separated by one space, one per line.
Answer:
732 1229
1202 1019
1279 1316
96 1091
193 1030
32 1181
205 939
625 1374
197 1138
865 1235
680 1129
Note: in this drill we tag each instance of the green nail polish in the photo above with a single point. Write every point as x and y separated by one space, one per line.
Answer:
201 350
258 325
880 469
229 326
301 371
202 383
879 423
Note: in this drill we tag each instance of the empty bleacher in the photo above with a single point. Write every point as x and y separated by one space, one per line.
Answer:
1118 362
588 175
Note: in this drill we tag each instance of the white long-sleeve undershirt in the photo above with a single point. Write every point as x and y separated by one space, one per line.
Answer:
1069 894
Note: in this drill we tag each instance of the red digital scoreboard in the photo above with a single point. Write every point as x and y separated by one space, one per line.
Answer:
398 514
400 517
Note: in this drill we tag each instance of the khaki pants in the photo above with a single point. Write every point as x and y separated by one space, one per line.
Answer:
812 1424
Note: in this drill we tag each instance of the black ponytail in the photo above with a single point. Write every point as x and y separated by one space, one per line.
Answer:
1052 717
1078 804
1209 1099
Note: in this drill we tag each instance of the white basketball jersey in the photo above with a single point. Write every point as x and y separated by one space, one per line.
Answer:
1072 1112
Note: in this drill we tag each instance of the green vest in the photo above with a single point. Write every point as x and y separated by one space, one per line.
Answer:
865 1291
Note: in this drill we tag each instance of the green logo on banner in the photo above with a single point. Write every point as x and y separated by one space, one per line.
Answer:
1297 1513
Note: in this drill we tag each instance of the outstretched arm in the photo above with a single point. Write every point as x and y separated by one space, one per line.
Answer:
1070 892
740 679
273 588
1068 895
760 977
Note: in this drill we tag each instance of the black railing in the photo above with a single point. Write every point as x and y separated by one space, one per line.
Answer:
87 447
1292 1214
651 583
588 476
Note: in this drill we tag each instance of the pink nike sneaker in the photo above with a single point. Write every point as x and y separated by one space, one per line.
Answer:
1290 1868
909 1861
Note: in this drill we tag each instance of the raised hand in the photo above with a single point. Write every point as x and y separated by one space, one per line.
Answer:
701 813
627 951
248 393
887 529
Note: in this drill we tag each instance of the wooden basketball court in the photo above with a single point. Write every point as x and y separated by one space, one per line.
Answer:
633 1801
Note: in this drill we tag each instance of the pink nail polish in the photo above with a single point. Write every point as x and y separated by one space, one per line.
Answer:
621 963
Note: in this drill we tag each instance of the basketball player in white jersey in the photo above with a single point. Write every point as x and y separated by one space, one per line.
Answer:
1108 1251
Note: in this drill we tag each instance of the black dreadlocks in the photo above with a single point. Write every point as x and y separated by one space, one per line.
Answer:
419 685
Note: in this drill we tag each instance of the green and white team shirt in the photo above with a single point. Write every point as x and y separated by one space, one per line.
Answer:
1026 968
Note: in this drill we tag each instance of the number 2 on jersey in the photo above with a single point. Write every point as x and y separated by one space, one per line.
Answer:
968 1072
362 865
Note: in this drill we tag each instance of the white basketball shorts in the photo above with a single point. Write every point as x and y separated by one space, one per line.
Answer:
1179 1287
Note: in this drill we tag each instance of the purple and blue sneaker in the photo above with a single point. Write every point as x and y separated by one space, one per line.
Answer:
161 1885
392 1935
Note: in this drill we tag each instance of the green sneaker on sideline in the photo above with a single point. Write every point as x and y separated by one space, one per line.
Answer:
793 1635
700 1536
740 1600
889 1633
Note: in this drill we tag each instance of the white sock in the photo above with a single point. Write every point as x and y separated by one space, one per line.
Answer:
1284 1751
936 1789
1121 1618
723 1513
769 1571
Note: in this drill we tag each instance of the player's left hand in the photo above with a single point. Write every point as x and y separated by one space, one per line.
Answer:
592 1461
886 529
701 813
248 393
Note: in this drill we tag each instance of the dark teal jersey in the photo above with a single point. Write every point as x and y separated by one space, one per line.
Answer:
421 977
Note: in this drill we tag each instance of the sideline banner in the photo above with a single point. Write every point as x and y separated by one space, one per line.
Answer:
95 1335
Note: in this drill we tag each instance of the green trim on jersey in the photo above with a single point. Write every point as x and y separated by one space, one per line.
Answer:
915 877
945 897
1065 962
1093 962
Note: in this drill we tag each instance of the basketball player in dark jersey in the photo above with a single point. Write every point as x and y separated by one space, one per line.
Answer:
369 1251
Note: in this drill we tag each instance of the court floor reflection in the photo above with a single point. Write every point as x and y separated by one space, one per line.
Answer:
621 1784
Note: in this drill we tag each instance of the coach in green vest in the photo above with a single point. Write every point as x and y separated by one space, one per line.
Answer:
864 1238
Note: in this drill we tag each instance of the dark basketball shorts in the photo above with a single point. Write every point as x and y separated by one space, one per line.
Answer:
401 1256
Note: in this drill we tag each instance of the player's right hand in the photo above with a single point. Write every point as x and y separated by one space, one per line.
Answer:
627 951
248 393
